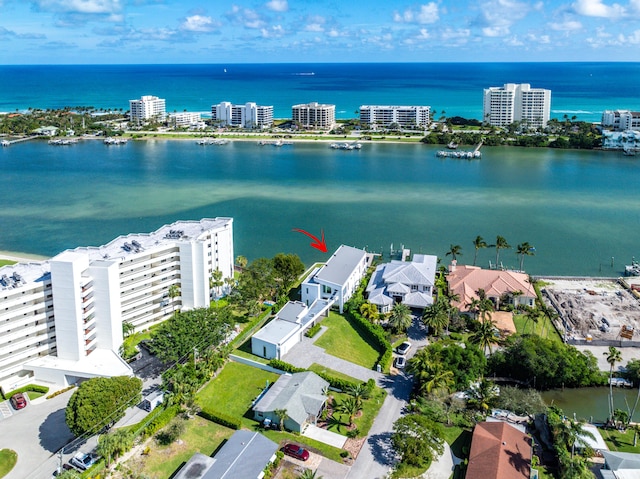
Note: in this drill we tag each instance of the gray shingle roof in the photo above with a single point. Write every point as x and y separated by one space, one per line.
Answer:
301 394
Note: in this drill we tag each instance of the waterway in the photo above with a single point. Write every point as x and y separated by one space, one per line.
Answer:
591 404
580 209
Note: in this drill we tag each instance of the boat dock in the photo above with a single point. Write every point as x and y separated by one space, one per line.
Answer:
462 155
17 140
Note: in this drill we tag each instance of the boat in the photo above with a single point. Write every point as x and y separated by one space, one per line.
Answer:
115 141
212 141
452 145
5 143
63 141
346 146
632 269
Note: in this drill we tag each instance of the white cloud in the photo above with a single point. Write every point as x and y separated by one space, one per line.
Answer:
198 23
427 13
458 36
278 5
246 17
596 8
499 15
633 39
314 27
275 31
566 26
80 6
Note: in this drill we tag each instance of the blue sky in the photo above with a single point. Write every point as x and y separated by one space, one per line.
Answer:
266 31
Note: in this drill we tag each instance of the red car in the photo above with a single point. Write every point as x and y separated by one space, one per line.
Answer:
18 401
296 451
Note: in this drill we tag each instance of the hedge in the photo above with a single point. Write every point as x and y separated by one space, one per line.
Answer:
29 387
250 328
156 420
375 333
334 382
221 418
312 331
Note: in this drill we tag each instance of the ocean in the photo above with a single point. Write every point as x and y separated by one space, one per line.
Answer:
580 89
580 209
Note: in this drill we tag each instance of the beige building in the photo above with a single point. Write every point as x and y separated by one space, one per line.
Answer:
314 115
517 102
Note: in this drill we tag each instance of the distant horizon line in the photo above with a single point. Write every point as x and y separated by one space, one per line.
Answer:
332 63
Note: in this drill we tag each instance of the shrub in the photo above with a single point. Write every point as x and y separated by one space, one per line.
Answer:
353 433
29 387
61 391
312 331
170 433
344 454
334 382
221 418
158 421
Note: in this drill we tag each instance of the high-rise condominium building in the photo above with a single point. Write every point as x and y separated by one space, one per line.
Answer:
621 120
517 102
146 108
403 116
314 115
62 319
248 115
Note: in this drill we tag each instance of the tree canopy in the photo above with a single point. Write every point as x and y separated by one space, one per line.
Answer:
100 401
548 363
202 328
417 439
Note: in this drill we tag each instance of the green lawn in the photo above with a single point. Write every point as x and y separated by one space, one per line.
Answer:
543 328
8 459
620 441
369 412
325 450
200 435
234 389
6 262
344 342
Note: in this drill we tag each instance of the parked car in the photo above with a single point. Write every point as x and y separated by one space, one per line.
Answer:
296 451
83 461
18 401
403 348
400 362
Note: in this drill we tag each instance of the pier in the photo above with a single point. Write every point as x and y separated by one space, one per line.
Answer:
18 140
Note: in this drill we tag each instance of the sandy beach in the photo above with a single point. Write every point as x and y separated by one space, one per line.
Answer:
21 257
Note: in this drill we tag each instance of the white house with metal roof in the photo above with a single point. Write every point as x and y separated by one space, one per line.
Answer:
302 395
339 278
278 336
408 282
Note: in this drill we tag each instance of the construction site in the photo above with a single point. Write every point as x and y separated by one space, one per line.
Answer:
597 311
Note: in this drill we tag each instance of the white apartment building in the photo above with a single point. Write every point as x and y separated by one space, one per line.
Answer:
517 102
146 108
403 116
249 115
185 119
621 120
314 115
61 319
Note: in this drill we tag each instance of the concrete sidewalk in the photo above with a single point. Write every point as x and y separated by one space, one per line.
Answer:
324 436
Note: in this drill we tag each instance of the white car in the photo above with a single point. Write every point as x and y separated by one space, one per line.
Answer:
403 348
400 362
83 461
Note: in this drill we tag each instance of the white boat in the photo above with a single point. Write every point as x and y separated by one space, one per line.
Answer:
346 146
452 145
115 141
5 143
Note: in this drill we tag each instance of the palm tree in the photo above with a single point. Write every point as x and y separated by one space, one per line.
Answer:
369 311
483 395
359 392
215 280
454 250
485 336
174 292
576 430
522 250
478 243
501 243
282 415
127 329
400 319
309 474
436 317
349 407
437 379
613 356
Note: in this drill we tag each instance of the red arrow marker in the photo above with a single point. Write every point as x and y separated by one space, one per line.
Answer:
318 244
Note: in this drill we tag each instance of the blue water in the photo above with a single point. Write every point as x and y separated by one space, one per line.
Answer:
580 89
578 208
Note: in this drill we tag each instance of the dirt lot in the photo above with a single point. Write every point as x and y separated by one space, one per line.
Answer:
596 308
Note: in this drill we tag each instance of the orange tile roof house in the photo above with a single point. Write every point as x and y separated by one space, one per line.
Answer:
466 280
499 451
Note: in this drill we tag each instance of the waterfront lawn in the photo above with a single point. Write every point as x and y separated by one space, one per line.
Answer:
233 391
200 435
8 459
620 441
543 328
6 262
343 341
